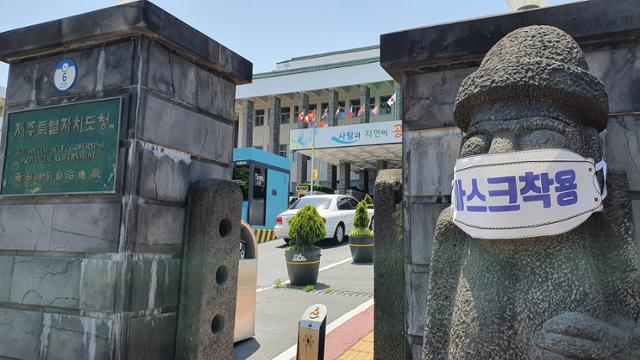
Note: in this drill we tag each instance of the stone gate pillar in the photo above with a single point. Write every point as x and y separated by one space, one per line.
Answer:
110 116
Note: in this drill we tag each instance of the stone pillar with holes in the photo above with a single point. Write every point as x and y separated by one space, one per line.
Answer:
91 251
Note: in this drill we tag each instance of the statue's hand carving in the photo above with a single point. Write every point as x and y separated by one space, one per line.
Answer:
575 335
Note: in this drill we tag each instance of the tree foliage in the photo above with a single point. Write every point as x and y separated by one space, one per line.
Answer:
306 228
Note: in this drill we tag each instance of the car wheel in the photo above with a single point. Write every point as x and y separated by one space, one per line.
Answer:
338 235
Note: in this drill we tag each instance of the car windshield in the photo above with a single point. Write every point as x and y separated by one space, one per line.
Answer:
319 203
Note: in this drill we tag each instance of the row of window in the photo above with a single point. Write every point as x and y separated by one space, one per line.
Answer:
283 150
354 105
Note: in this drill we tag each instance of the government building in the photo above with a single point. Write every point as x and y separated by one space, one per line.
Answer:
339 108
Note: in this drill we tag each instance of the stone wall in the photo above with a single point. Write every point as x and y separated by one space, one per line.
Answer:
431 72
86 276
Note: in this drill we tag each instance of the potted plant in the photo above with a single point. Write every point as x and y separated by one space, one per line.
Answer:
306 228
368 201
361 240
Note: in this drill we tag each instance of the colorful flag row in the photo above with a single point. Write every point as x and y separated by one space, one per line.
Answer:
310 117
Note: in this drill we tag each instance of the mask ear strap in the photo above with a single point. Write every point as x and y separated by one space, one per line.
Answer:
602 165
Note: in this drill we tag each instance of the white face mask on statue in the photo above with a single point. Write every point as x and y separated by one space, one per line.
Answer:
525 194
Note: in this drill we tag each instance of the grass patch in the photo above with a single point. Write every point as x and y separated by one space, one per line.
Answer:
278 283
309 288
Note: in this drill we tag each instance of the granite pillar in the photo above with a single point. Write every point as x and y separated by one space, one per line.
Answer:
428 79
365 94
345 177
302 160
332 120
382 164
273 143
247 113
363 180
97 275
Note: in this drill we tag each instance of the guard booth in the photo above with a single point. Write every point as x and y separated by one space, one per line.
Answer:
264 179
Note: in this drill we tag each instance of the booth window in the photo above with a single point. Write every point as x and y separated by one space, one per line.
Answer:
258 183
241 177
259 118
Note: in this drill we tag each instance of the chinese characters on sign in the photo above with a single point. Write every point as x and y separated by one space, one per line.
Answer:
524 194
65 149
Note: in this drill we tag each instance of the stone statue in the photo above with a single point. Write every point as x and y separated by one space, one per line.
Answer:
569 296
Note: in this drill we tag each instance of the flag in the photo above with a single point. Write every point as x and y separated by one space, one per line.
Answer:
301 116
375 111
338 111
312 115
324 114
311 123
361 111
306 119
350 113
392 99
321 123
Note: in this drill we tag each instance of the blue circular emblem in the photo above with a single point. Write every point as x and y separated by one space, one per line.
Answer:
65 75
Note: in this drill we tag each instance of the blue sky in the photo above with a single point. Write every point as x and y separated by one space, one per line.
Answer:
268 31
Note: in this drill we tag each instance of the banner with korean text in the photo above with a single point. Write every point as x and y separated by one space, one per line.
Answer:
525 194
388 132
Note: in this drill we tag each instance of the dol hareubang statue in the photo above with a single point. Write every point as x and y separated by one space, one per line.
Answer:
575 295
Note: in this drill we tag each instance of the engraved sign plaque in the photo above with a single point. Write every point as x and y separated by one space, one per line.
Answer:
66 149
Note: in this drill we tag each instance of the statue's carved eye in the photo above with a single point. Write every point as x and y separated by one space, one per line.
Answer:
542 139
475 145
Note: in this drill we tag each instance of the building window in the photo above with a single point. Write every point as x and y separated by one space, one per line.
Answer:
259 118
323 107
283 151
384 107
372 103
285 115
354 105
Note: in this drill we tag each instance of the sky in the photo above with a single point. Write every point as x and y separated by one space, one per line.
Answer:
269 31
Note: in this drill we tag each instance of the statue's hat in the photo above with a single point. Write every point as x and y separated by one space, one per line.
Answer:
534 65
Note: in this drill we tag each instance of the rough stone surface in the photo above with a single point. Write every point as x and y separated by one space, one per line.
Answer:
423 217
63 227
209 272
573 295
102 68
21 332
159 225
76 337
428 98
117 21
416 291
275 110
152 337
435 150
176 127
622 146
451 44
389 277
154 283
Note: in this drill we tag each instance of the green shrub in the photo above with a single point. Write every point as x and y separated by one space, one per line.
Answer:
305 229
361 220
361 232
368 201
309 288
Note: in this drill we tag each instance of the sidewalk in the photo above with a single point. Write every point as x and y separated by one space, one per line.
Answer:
352 339
363 350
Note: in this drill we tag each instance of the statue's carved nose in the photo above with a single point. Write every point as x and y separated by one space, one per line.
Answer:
503 143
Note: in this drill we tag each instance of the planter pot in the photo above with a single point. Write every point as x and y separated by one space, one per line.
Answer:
362 248
303 267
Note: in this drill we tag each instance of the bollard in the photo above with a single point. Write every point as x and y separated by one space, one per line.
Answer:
311 333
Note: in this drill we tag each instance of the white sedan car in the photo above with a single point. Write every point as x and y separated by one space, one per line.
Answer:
337 212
